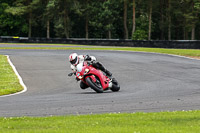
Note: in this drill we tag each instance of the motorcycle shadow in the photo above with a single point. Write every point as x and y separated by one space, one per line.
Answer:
94 92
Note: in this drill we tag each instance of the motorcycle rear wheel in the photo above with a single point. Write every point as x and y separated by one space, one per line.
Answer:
115 85
94 85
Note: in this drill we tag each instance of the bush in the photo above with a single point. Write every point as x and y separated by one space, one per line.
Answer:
140 35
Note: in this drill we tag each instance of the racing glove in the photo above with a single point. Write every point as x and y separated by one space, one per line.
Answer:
87 58
77 79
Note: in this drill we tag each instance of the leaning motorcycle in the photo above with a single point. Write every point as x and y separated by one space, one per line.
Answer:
95 78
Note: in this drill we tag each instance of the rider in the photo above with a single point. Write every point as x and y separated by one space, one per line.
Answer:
76 59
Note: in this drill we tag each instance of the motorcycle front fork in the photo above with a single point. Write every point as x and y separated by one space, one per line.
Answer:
110 84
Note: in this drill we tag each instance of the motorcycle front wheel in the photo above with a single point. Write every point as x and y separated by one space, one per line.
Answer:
94 85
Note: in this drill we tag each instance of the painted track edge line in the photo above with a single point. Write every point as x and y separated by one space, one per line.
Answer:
180 56
19 77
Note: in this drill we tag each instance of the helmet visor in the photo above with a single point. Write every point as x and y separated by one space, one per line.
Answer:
73 61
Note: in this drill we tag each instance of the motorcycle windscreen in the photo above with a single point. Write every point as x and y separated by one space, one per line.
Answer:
79 67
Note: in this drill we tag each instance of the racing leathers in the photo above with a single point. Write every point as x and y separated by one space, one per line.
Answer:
92 59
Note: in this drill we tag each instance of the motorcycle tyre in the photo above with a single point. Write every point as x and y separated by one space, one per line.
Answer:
115 85
93 85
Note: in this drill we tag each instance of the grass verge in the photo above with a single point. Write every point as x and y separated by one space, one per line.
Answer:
194 53
9 83
163 122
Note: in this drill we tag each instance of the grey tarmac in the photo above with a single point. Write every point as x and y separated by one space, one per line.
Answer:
149 83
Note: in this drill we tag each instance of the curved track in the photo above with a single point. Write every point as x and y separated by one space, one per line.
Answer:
149 82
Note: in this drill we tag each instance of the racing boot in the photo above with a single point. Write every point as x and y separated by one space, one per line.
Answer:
108 73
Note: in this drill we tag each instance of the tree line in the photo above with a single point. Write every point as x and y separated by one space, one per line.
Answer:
112 19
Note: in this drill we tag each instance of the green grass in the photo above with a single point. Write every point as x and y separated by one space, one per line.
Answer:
9 83
163 122
182 52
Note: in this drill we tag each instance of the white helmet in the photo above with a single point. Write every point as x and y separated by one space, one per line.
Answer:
73 58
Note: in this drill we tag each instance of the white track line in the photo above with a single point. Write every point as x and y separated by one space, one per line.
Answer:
19 77
183 57
159 54
174 55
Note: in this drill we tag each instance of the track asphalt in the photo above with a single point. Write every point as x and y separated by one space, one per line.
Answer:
149 83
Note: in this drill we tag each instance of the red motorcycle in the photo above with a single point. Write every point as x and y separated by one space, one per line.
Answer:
95 78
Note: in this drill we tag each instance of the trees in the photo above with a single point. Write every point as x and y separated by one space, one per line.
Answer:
22 8
195 10
143 19
84 9
63 9
169 19
184 19
125 20
150 20
48 14
109 14
133 26
9 24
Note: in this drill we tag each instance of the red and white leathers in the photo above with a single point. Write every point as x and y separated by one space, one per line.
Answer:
78 60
